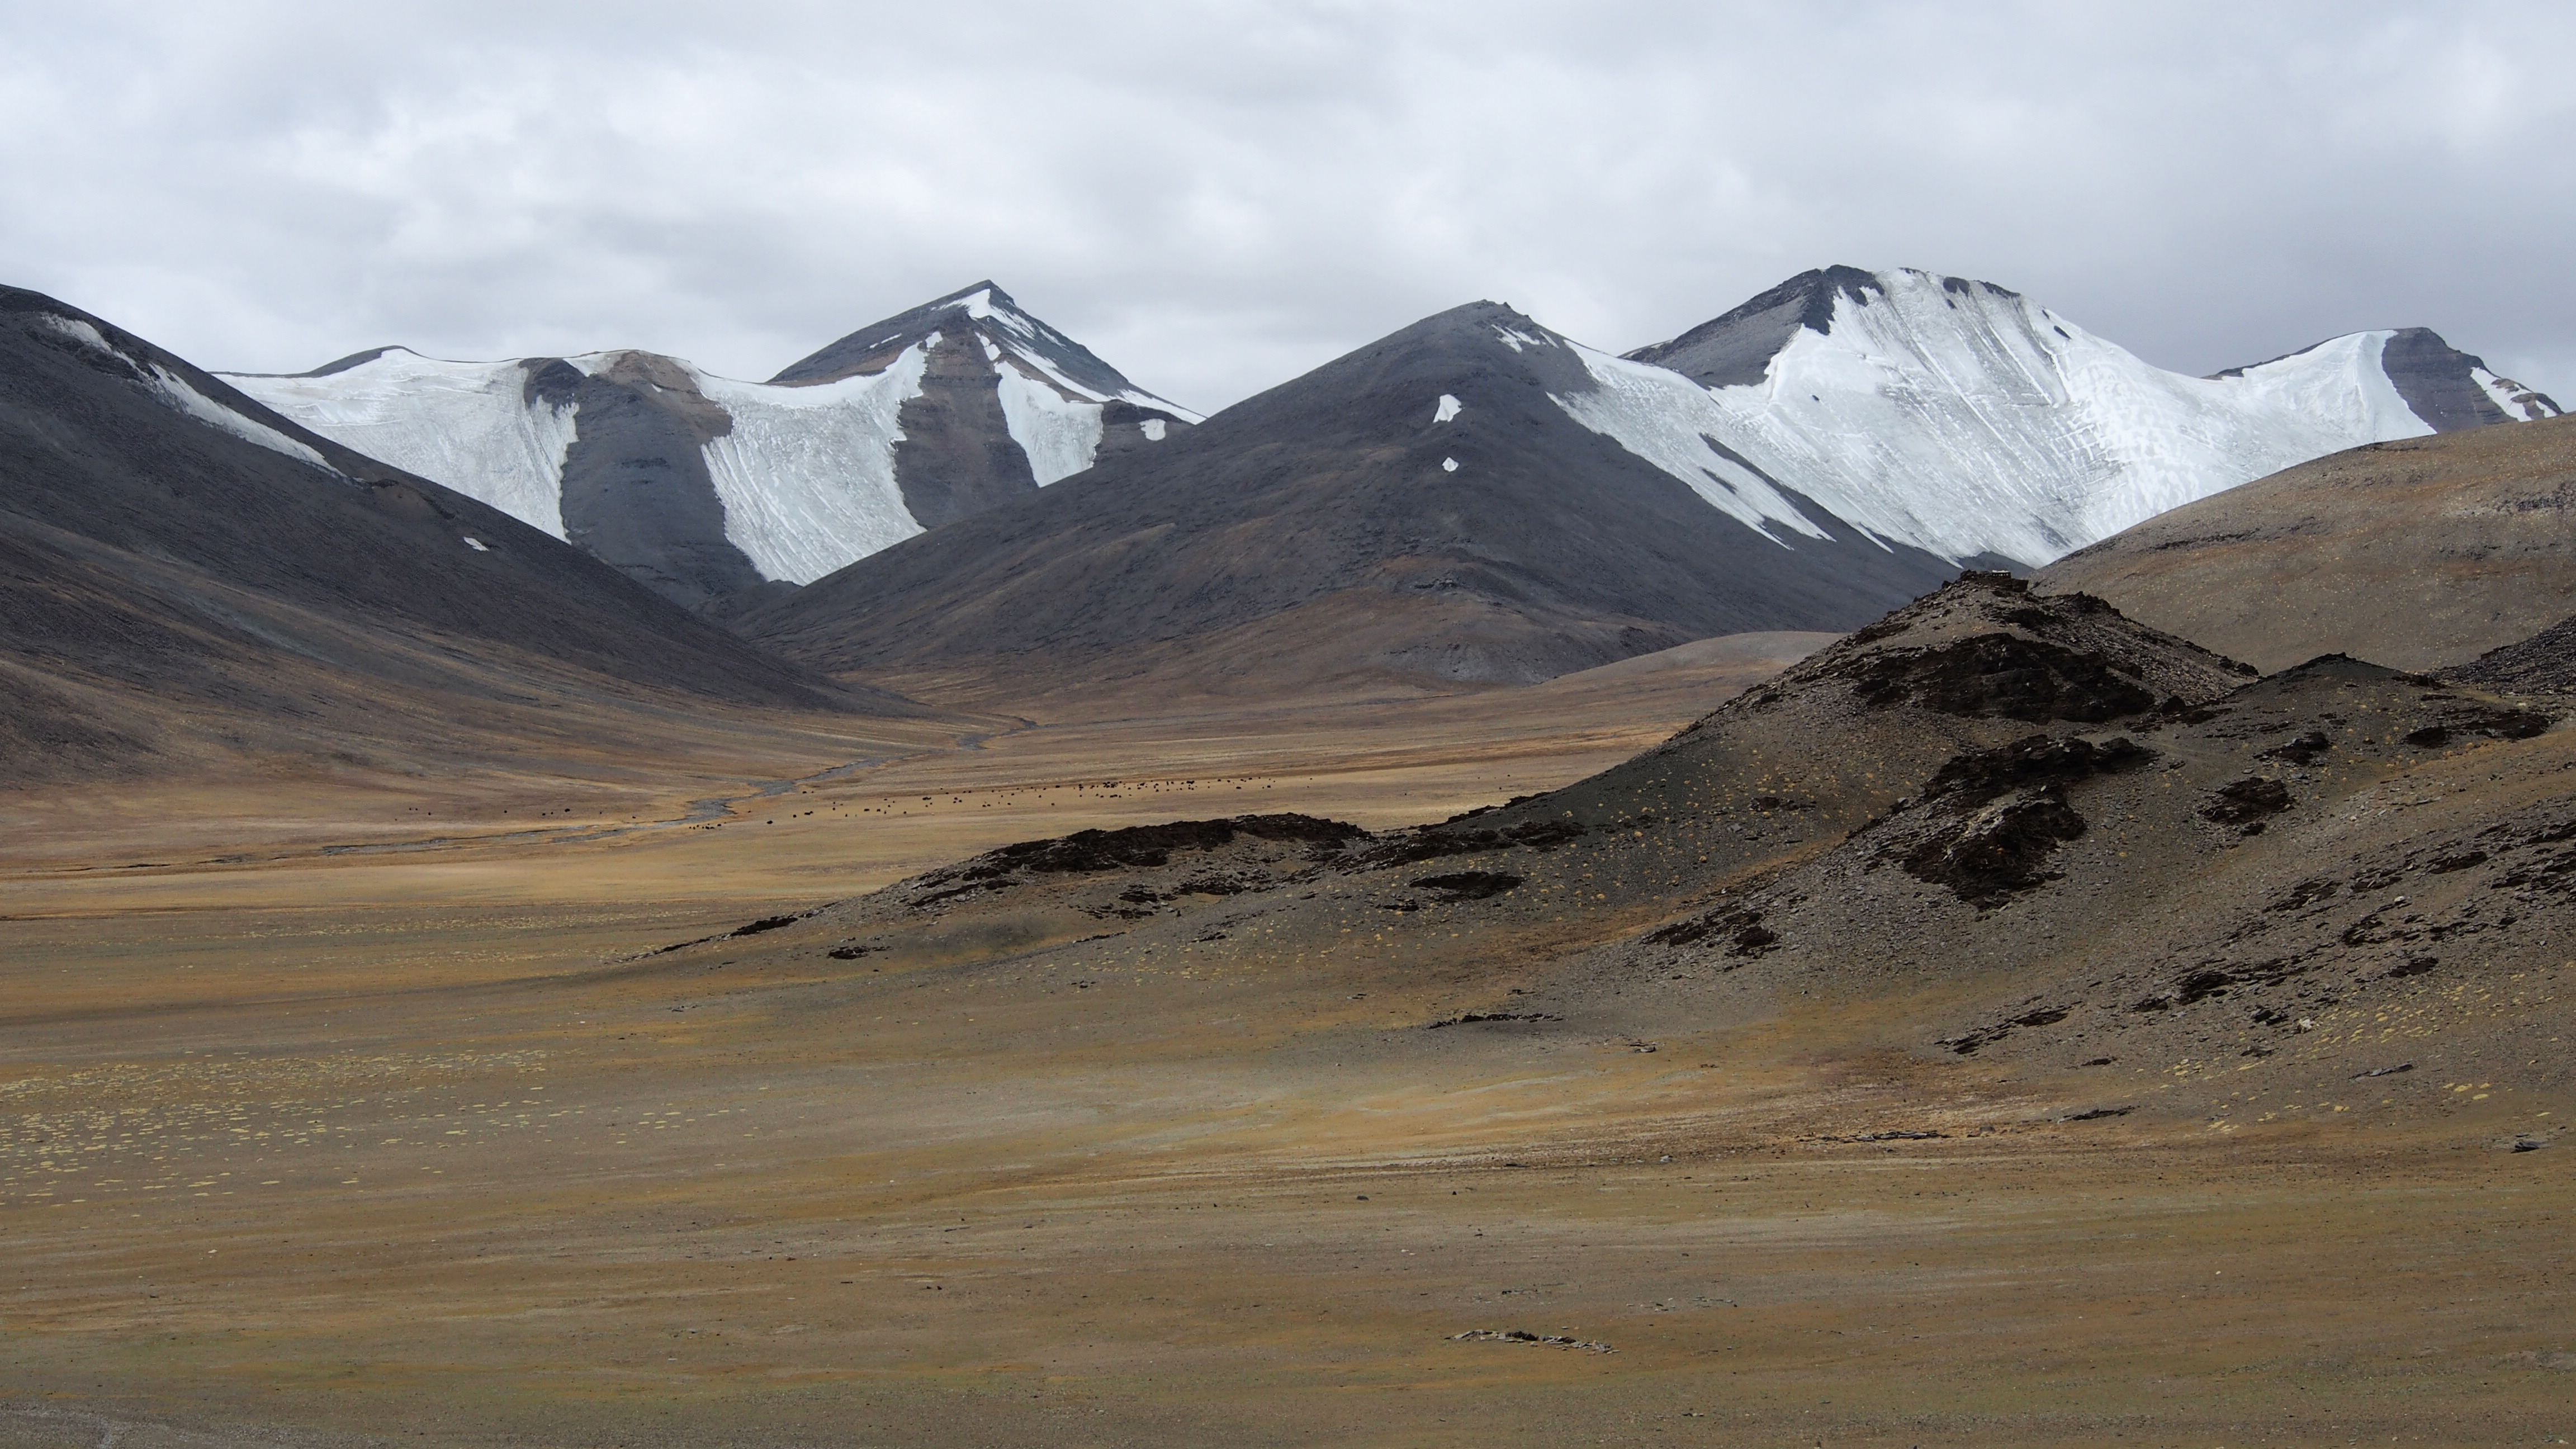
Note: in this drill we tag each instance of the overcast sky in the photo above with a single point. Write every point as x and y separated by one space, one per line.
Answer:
1217 197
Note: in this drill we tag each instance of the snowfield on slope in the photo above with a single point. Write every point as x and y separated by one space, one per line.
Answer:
806 473
1968 421
469 425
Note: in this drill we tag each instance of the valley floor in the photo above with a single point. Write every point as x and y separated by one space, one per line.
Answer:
419 1145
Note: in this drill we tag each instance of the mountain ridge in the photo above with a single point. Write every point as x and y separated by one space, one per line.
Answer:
1431 476
717 492
176 548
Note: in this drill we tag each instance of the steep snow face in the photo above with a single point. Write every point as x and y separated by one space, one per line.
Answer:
1669 420
1967 420
1060 435
469 425
807 473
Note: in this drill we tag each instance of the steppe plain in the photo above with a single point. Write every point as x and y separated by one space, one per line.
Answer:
371 1111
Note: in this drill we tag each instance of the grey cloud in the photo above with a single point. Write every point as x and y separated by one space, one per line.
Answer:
1217 197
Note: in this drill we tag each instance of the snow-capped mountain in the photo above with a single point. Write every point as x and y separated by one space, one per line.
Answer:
706 488
1970 421
1433 508
190 572
1477 497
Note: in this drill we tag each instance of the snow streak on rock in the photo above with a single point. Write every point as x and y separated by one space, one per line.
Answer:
174 390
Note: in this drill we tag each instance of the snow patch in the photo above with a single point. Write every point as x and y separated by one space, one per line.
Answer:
1447 409
175 391
468 425
1515 339
807 473
1153 429
2518 402
1039 363
1448 465
81 332
475 544
1060 435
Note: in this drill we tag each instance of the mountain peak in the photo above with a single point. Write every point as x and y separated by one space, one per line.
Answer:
963 403
1735 349
1005 328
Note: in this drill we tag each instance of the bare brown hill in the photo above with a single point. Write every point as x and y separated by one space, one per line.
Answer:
2059 838
2415 554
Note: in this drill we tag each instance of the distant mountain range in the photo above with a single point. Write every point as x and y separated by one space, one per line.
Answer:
963 493
1477 498
1949 416
1473 500
707 489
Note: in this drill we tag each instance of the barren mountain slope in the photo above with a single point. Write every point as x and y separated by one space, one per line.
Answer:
2415 554
2054 837
1506 894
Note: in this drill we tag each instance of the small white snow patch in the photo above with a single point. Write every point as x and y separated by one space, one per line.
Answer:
2518 402
1448 465
79 331
1153 429
177 393
1448 409
1516 340
475 544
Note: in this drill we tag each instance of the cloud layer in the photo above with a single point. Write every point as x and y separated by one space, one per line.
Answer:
1217 197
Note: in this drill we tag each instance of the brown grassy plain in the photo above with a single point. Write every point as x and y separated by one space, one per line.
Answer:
411 1144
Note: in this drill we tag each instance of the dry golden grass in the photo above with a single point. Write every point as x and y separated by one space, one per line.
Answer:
408 1145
